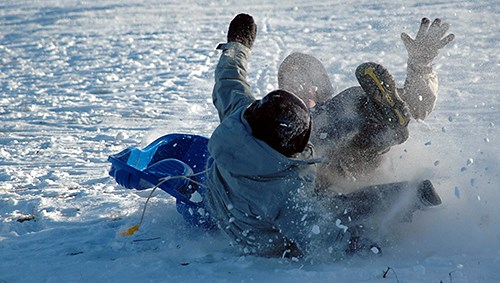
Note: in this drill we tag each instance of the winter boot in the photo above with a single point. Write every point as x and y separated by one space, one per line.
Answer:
379 85
428 195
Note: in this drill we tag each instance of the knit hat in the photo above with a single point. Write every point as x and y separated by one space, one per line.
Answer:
282 120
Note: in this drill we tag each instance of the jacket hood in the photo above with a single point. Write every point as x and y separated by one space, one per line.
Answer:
237 151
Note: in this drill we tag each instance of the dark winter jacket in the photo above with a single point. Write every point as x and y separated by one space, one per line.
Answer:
350 137
260 198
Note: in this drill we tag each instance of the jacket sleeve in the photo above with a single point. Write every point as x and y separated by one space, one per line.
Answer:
231 90
420 90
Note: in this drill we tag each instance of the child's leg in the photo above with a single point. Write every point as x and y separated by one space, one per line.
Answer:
396 200
351 138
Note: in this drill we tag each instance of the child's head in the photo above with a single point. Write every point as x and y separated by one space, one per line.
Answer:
306 77
282 120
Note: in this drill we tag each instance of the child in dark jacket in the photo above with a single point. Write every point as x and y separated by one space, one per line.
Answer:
353 130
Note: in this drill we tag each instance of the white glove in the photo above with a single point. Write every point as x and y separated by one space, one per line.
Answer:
425 47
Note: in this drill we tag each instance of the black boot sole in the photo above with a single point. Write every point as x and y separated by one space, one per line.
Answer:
380 86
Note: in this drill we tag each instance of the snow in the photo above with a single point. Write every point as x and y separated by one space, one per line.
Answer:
80 80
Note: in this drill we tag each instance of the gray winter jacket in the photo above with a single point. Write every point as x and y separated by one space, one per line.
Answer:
259 197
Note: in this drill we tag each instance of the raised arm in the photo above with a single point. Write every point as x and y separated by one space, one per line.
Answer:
421 85
231 90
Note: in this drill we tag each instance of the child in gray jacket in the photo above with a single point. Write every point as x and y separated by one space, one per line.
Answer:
263 168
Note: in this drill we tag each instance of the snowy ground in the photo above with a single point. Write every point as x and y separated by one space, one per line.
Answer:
80 80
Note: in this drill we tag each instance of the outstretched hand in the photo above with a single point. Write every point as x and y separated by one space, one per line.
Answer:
429 39
242 29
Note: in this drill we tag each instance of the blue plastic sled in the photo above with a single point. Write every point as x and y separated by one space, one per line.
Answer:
174 163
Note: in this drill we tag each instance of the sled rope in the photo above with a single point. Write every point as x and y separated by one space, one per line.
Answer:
185 177
130 231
